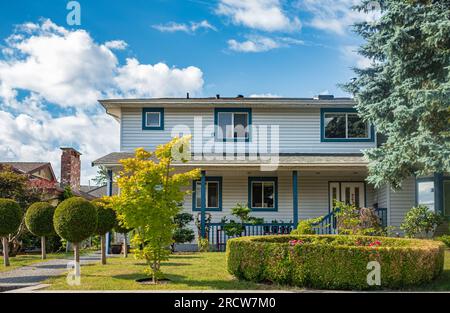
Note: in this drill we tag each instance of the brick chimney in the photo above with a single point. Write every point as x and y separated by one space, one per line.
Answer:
70 168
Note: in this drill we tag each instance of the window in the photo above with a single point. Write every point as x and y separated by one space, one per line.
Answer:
425 194
232 124
344 125
263 193
152 119
213 194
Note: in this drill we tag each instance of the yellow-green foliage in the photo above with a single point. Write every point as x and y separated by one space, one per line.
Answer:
334 262
150 194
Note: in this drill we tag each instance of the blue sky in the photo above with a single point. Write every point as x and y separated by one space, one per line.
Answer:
51 73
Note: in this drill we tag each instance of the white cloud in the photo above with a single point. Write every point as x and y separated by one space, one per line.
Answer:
116 45
145 80
192 27
266 15
50 81
262 43
335 16
350 53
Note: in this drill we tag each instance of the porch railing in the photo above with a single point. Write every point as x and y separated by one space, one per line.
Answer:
328 225
218 238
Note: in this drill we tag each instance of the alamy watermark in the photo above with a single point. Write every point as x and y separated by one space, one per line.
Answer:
74 15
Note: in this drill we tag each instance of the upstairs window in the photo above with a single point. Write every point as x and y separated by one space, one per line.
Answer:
152 119
344 125
232 124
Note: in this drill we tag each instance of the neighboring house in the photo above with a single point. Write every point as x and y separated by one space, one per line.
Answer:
289 159
41 176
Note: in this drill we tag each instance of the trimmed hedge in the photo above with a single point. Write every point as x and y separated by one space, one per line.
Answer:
39 219
334 261
75 219
10 217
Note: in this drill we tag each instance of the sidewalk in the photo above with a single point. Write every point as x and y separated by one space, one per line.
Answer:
38 272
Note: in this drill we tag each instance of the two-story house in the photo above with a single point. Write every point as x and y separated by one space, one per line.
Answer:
287 158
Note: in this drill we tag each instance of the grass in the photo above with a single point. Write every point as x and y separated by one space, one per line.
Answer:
188 271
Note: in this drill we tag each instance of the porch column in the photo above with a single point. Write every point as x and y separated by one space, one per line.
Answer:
203 204
295 197
109 192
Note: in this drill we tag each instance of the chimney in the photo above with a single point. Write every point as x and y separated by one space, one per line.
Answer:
70 168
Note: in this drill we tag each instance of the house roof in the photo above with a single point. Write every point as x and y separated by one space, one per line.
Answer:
30 167
286 160
112 106
97 191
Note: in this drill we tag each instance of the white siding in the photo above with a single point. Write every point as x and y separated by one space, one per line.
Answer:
402 201
312 194
299 129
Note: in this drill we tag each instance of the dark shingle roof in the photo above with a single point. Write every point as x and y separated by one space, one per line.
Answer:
26 167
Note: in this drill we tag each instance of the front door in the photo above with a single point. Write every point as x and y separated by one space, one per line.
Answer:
447 198
353 193
347 192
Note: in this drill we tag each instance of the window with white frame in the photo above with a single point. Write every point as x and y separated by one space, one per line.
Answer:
232 125
212 194
263 193
425 194
345 125
153 119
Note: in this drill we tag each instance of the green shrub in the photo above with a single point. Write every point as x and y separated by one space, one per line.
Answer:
106 217
306 227
420 222
445 239
39 219
334 262
75 219
10 217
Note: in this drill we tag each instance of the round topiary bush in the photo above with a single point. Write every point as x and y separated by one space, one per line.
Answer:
106 217
334 262
10 217
75 219
39 219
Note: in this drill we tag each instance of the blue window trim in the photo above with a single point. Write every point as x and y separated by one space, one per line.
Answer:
342 110
237 110
263 179
153 110
194 196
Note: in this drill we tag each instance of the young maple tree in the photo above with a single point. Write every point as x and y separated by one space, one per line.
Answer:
150 194
405 92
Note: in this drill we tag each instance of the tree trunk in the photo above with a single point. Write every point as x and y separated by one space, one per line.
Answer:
125 246
103 248
76 252
5 251
43 248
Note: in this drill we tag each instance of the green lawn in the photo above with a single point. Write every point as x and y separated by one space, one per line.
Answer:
185 271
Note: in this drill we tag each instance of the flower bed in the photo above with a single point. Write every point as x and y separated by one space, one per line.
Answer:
334 262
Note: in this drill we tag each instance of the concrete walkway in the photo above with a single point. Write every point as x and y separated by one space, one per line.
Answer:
36 273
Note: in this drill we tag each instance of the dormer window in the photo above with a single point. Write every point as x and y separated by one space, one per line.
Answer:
344 125
233 124
152 119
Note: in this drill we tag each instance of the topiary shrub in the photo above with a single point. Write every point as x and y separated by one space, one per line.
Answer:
334 262
39 221
75 220
106 222
10 220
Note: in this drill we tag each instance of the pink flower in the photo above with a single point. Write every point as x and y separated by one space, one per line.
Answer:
295 242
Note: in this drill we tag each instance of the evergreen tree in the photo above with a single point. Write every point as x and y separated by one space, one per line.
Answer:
405 92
